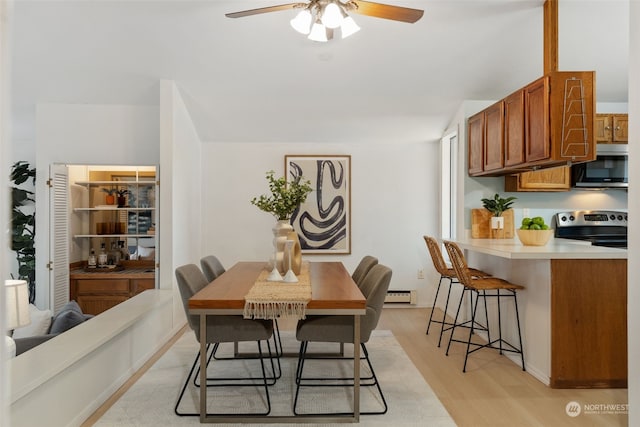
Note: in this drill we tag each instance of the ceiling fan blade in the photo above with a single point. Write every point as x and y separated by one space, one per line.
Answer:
395 13
263 10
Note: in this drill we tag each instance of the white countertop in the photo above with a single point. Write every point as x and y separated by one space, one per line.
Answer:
554 249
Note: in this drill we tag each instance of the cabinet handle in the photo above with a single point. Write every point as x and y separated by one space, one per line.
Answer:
617 127
607 127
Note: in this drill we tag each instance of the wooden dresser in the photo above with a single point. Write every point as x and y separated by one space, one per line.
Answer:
98 291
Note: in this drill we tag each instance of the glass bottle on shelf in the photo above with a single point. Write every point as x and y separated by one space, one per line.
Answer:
91 262
124 251
102 256
114 254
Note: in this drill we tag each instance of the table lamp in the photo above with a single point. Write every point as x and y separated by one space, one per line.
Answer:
17 308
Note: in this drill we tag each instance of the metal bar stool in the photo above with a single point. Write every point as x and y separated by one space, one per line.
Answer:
480 286
445 273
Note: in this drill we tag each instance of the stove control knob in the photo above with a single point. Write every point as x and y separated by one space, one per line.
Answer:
613 217
563 218
619 217
572 218
625 218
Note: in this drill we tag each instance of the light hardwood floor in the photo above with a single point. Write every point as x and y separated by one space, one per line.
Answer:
493 392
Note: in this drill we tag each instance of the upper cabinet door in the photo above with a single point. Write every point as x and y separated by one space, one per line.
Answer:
475 133
494 137
620 128
514 129
603 128
538 143
612 128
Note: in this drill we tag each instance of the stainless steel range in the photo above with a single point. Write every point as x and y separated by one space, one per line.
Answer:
601 228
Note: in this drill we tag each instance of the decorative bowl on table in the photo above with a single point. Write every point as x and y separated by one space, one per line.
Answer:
534 237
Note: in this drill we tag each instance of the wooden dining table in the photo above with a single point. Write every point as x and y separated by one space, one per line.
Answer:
333 292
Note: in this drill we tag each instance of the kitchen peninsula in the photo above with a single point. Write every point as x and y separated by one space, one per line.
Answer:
573 310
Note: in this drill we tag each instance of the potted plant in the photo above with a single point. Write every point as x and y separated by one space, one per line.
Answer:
23 223
497 206
110 198
284 200
122 197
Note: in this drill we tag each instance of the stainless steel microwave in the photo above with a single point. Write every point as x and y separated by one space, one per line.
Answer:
610 169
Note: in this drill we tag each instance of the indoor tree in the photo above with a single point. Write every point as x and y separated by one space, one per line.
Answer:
23 220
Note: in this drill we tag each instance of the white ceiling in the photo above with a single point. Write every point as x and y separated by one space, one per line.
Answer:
256 79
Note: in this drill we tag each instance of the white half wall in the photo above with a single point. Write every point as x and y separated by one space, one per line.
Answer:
394 201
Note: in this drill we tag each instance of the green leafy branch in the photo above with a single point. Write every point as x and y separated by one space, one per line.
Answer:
24 224
285 196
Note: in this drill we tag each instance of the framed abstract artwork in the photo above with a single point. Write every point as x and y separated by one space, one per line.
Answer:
323 222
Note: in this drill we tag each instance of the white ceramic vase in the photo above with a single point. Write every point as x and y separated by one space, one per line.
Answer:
497 222
282 232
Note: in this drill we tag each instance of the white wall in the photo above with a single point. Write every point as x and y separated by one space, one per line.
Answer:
181 183
5 156
86 134
394 199
633 295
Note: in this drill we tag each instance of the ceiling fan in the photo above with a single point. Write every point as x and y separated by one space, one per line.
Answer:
319 18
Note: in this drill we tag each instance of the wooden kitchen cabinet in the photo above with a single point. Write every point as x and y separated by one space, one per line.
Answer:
589 323
536 121
514 129
547 123
551 179
97 295
494 137
475 131
140 285
99 291
486 128
612 128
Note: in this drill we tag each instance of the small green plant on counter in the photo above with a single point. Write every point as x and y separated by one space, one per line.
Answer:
498 205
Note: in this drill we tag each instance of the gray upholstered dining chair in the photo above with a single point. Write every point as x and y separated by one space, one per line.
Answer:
224 329
363 268
340 329
211 267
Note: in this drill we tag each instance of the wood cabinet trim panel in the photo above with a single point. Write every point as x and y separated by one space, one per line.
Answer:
589 323
514 129
475 132
102 286
493 153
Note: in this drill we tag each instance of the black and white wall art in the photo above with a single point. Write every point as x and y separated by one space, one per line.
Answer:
323 222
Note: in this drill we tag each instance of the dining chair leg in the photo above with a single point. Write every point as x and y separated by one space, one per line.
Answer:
347 382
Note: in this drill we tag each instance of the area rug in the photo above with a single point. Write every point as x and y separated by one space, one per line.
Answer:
150 401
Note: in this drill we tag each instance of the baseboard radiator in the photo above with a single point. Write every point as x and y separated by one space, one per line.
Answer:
396 296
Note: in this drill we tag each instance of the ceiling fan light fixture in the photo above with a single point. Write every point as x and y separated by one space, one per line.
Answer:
302 22
318 32
348 27
332 16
